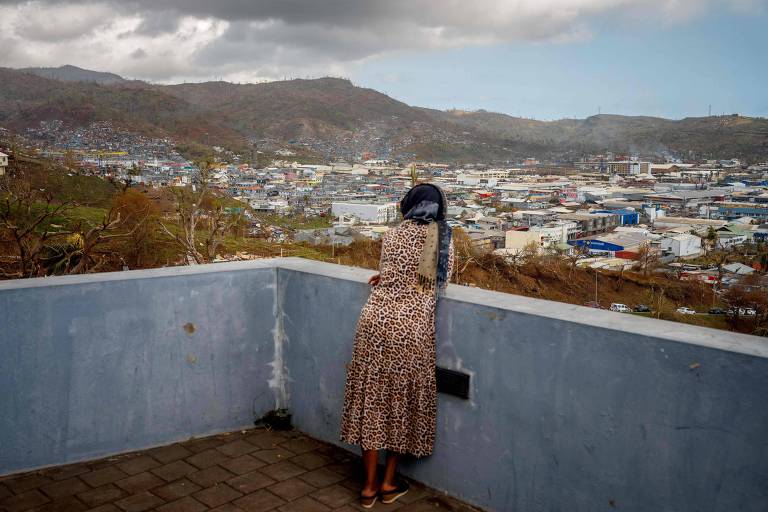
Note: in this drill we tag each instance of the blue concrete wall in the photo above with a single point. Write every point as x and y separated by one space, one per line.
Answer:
328 307
571 408
108 363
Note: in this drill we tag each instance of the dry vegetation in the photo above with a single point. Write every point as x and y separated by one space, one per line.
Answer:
553 278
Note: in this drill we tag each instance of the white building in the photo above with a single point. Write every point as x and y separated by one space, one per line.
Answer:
377 213
684 245
3 163
555 233
591 194
628 167
633 229
653 212
534 217
276 206
687 222
517 241
728 240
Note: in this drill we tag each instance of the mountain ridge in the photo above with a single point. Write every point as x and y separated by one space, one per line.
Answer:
70 73
334 118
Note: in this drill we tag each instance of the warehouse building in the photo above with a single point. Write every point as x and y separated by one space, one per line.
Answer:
376 213
618 244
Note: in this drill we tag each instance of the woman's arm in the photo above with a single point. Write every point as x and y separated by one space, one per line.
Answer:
376 278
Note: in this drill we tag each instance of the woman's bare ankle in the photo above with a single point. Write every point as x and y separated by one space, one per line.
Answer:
387 486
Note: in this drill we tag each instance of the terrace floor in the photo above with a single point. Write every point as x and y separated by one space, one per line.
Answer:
251 470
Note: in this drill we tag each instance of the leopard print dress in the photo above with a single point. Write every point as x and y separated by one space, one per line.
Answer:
390 399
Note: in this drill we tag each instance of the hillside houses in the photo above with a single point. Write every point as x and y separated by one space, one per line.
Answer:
608 207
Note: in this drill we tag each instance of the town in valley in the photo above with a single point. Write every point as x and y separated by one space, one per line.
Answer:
703 221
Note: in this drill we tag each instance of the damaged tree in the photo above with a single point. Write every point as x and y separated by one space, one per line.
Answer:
79 252
26 227
202 221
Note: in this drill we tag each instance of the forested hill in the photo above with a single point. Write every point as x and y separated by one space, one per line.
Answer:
333 113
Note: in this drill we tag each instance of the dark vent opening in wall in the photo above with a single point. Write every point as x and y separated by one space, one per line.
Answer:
452 382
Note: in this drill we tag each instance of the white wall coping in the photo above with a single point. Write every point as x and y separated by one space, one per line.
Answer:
622 322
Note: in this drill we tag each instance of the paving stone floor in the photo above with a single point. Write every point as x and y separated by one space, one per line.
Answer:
253 470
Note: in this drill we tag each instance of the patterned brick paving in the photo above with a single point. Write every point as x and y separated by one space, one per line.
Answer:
250 471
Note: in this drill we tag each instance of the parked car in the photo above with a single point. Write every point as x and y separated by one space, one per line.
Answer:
620 308
741 312
593 304
686 311
642 308
716 311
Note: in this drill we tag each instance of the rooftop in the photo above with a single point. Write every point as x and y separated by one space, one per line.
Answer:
249 470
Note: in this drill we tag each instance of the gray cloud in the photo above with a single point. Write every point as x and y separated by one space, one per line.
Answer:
61 22
157 23
250 39
138 53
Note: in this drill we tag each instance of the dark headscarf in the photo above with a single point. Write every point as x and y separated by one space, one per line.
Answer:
426 203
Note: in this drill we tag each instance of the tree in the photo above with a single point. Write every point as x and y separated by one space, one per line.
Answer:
70 161
762 256
647 258
573 256
710 240
139 213
464 250
514 259
532 251
26 225
202 219
721 258
658 296
748 294
78 252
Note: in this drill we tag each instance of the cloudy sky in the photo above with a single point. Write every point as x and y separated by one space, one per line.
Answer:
536 58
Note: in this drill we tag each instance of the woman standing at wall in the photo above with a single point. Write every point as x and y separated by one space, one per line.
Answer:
390 401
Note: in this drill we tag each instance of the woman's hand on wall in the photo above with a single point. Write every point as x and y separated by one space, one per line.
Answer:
374 280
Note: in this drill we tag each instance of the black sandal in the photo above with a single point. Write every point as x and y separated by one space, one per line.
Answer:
393 495
368 501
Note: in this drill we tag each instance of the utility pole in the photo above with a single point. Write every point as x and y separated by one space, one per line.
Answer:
710 110
596 287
